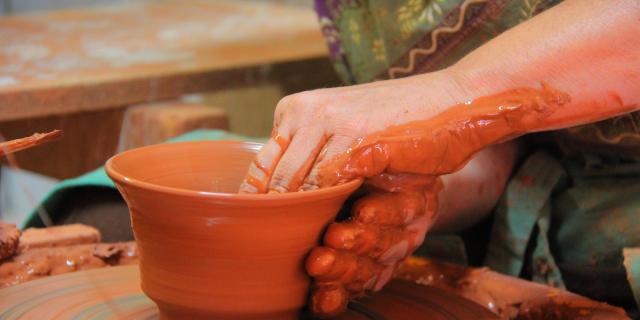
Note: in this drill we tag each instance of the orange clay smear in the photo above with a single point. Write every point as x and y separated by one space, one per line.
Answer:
443 144
258 184
261 185
282 141
261 167
41 262
355 252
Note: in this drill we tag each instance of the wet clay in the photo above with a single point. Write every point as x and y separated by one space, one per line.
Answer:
262 185
9 239
209 252
444 143
42 262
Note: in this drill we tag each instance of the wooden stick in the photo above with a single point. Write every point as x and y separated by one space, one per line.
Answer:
36 139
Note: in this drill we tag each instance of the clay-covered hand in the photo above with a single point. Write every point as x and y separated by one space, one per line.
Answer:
312 128
360 254
323 138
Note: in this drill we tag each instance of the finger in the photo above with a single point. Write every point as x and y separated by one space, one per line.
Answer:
419 227
328 299
384 277
336 145
261 169
389 209
383 244
330 265
296 162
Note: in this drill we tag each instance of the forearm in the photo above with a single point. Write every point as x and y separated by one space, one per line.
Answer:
587 49
529 79
471 193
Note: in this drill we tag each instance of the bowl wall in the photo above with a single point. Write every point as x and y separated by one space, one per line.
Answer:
206 251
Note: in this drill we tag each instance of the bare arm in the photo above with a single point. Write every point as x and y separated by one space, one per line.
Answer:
589 49
469 194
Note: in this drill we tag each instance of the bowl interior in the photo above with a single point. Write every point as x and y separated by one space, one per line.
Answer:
202 166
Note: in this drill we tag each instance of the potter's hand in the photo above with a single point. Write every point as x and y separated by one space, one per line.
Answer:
318 125
312 128
361 254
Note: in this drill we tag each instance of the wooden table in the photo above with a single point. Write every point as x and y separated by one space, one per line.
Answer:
60 68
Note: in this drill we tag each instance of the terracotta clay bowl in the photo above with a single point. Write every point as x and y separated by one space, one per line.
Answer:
208 252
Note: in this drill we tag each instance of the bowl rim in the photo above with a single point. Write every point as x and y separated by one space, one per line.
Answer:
341 189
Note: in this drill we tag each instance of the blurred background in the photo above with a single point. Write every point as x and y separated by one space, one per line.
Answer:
23 6
119 74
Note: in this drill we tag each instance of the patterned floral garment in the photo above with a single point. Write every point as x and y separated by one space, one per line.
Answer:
578 221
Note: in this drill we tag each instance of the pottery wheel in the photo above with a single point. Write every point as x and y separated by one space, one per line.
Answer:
114 293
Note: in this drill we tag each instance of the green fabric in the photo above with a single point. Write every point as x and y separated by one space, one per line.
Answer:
373 35
574 212
99 178
632 266
543 265
598 215
525 206
597 219
377 32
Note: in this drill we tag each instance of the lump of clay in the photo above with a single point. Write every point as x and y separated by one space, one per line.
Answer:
9 239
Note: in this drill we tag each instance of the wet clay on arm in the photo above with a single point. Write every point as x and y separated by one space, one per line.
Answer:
576 63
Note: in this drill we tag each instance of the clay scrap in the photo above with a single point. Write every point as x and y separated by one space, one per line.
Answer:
9 235
36 253
57 236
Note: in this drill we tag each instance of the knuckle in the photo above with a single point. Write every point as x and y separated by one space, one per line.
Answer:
306 102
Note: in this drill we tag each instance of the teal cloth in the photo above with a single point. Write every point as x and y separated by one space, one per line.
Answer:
524 209
99 178
632 266
574 212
